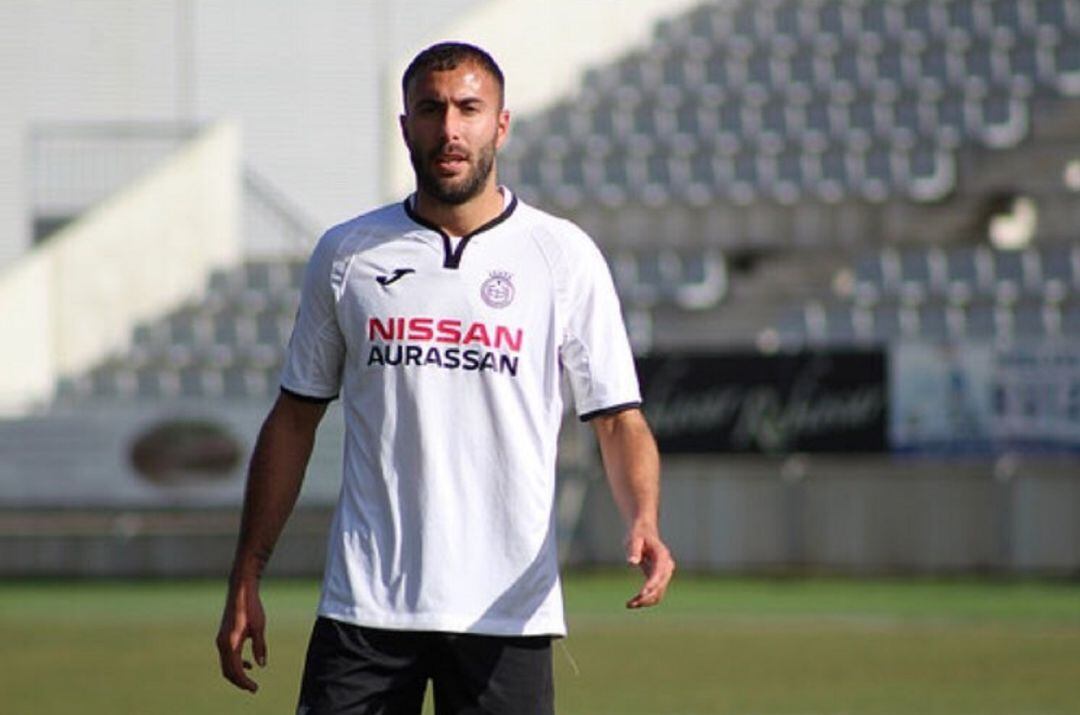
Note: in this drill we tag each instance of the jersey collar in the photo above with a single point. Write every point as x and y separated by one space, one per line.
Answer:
451 254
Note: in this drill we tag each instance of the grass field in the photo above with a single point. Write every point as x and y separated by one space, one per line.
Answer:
738 646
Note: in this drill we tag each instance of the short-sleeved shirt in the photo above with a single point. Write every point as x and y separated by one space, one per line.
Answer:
447 354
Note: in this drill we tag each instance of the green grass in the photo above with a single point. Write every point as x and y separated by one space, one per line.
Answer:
732 646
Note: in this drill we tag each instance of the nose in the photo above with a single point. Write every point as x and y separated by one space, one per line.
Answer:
451 124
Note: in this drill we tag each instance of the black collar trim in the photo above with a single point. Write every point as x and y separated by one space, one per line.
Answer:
452 256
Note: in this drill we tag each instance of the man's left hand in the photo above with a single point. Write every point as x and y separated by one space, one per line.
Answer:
645 549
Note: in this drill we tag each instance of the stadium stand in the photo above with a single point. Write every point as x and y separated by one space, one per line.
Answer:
733 167
819 171
831 110
228 345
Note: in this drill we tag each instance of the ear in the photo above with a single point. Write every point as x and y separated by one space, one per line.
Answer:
404 128
502 127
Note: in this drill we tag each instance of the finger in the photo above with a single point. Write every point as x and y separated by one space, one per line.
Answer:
653 590
258 646
232 665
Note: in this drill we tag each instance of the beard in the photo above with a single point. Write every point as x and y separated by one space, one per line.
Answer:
454 191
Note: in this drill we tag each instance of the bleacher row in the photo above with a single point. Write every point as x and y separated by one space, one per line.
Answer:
960 275
839 324
787 100
230 343
937 294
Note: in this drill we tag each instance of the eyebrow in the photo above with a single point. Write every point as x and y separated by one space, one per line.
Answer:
469 100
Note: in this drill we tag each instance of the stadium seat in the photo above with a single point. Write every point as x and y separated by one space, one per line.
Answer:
1003 120
835 20
1059 270
921 19
939 68
908 121
1031 319
939 323
880 20
966 17
861 123
745 179
1054 16
790 176
773 124
113 381
1070 320
970 273
893 68
833 174
849 68
819 125
1028 69
876 173
296 274
891 323
985 321
789 21
930 172
982 66
272 329
804 69
232 328
955 120
1013 275
1067 66
1010 19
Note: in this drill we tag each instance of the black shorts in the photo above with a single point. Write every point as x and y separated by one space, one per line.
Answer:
367 671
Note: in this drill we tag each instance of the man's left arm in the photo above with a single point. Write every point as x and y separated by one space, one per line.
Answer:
632 466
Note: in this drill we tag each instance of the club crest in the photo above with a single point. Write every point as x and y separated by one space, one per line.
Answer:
498 290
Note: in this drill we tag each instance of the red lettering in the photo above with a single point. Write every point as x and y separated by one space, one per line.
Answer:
449 331
512 340
386 332
420 329
445 330
477 334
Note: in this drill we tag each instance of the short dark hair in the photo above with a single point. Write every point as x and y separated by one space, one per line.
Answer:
447 56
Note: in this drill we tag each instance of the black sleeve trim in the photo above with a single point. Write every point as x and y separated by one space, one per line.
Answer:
308 398
614 409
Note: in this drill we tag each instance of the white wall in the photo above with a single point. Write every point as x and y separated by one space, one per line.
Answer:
139 254
302 76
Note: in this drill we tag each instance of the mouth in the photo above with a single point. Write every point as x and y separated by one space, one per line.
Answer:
450 162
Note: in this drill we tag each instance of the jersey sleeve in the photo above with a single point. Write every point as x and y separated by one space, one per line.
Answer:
595 351
316 351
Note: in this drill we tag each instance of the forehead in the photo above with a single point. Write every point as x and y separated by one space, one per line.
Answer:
467 79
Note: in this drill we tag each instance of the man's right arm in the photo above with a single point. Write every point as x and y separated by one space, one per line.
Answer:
277 470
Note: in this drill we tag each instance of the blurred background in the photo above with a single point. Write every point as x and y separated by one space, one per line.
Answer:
844 233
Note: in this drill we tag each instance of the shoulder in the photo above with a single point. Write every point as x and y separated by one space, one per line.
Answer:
558 237
349 238
360 231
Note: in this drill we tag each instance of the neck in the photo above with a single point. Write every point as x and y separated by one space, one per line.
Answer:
461 219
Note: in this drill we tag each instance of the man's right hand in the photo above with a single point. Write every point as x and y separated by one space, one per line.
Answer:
242 619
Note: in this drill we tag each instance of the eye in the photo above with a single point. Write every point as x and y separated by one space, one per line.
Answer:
427 108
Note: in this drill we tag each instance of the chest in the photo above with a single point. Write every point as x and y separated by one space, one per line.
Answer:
404 290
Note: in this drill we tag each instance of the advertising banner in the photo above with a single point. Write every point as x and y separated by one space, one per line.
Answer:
977 398
831 401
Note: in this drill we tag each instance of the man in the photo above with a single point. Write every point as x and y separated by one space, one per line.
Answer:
444 323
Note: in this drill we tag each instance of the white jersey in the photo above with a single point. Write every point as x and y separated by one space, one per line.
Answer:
447 354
